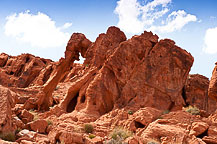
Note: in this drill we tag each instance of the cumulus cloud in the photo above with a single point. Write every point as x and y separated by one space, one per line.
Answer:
134 17
175 21
210 41
39 30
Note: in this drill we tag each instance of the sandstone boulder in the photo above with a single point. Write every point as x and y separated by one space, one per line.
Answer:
26 116
39 125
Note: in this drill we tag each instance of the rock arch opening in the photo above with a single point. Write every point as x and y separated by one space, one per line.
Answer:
81 59
72 104
139 124
83 98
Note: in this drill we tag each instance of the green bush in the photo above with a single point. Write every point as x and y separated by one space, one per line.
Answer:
35 114
91 136
8 136
120 133
192 110
88 128
165 112
130 112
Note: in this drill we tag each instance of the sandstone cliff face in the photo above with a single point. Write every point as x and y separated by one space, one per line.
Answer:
140 84
196 93
213 84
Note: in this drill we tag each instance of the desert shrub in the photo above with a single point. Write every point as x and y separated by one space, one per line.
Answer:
35 114
17 130
165 112
120 133
8 136
130 112
192 110
91 136
88 128
49 122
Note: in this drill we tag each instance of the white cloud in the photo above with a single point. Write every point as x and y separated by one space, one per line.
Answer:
175 21
135 17
38 30
129 11
66 25
210 41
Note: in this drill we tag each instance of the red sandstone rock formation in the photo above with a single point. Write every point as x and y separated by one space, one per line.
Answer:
20 71
213 84
196 93
133 84
77 44
140 72
8 101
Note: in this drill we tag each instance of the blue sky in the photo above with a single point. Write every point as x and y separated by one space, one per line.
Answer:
43 27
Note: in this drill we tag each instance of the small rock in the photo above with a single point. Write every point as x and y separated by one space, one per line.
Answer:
39 125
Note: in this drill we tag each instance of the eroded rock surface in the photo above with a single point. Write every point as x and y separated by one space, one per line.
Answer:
139 85
196 93
20 71
8 101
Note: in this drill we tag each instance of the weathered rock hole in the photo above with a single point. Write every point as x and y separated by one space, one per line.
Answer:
11 73
82 100
19 71
203 134
139 124
44 61
35 64
81 59
184 96
27 59
47 75
72 103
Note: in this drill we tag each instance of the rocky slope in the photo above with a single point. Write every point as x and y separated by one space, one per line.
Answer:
127 91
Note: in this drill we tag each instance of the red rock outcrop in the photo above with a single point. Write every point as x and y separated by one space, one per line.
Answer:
140 72
139 85
20 71
213 84
8 101
78 43
196 93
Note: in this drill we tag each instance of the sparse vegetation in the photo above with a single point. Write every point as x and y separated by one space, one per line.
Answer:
88 128
165 112
49 122
8 136
130 112
120 133
35 114
17 130
91 136
192 110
